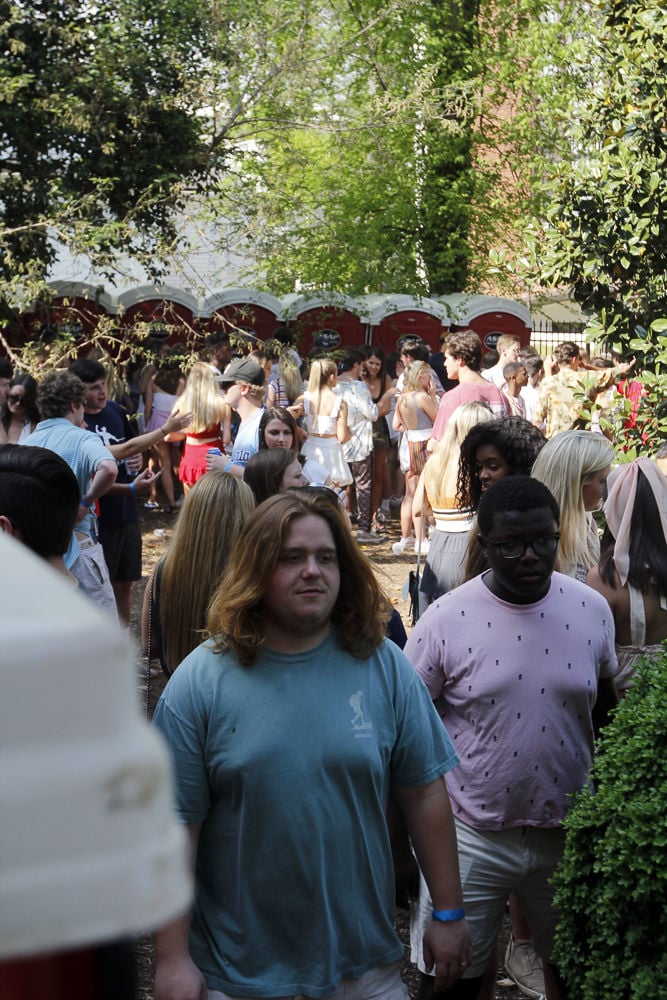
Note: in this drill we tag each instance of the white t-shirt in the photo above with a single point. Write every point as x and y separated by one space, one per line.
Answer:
529 396
496 376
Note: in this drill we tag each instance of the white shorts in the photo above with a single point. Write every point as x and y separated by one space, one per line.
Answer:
494 863
383 983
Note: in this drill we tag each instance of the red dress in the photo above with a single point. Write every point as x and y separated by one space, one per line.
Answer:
193 462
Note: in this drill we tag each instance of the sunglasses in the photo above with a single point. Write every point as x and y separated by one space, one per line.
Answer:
16 400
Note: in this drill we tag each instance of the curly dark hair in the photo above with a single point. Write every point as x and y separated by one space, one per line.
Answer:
57 391
517 440
566 352
465 344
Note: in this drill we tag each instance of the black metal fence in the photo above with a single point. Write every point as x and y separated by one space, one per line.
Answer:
546 335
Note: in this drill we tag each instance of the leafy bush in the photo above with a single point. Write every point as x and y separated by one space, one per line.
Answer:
650 429
611 887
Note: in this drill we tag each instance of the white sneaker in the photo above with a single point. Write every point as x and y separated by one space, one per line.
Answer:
425 546
524 968
399 547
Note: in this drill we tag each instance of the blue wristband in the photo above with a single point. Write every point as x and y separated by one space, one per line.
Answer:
133 488
87 503
448 916
228 467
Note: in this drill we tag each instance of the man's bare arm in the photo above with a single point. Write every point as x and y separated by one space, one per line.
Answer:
176 975
428 815
606 701
135 445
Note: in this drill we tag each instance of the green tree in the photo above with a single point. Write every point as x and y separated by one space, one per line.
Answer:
348 144
99 116
408 141
331 188
447 183
605 234
532 66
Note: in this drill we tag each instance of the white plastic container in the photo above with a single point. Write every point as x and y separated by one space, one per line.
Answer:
89 848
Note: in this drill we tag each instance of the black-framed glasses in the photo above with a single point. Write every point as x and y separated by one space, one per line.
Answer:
514 548
16 400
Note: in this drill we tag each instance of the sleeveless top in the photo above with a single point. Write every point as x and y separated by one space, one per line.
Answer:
421 433
629 655
424 422
321 426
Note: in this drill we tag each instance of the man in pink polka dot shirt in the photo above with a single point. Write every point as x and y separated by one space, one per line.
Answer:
520 663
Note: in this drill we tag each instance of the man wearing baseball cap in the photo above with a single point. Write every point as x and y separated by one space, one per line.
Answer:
243 385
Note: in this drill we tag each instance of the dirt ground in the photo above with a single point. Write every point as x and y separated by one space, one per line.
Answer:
392 572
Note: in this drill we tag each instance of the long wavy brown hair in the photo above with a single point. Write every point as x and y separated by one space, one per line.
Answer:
361 611
209 524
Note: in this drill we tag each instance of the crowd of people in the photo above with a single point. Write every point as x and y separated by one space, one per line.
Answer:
297 730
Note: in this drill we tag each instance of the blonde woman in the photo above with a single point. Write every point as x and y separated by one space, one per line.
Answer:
178 593
286 385
326 422
416 409
211 423
574 466
444 568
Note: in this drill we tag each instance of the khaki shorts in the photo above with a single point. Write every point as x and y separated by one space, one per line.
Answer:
494 863
91 571
383 983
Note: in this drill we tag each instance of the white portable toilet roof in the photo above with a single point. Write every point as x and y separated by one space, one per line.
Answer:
84 290
161 293
379 306
464 308
241 296
294 304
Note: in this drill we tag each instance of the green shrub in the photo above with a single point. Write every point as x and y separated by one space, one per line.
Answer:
611 887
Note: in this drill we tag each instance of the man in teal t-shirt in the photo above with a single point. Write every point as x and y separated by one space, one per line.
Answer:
287 731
